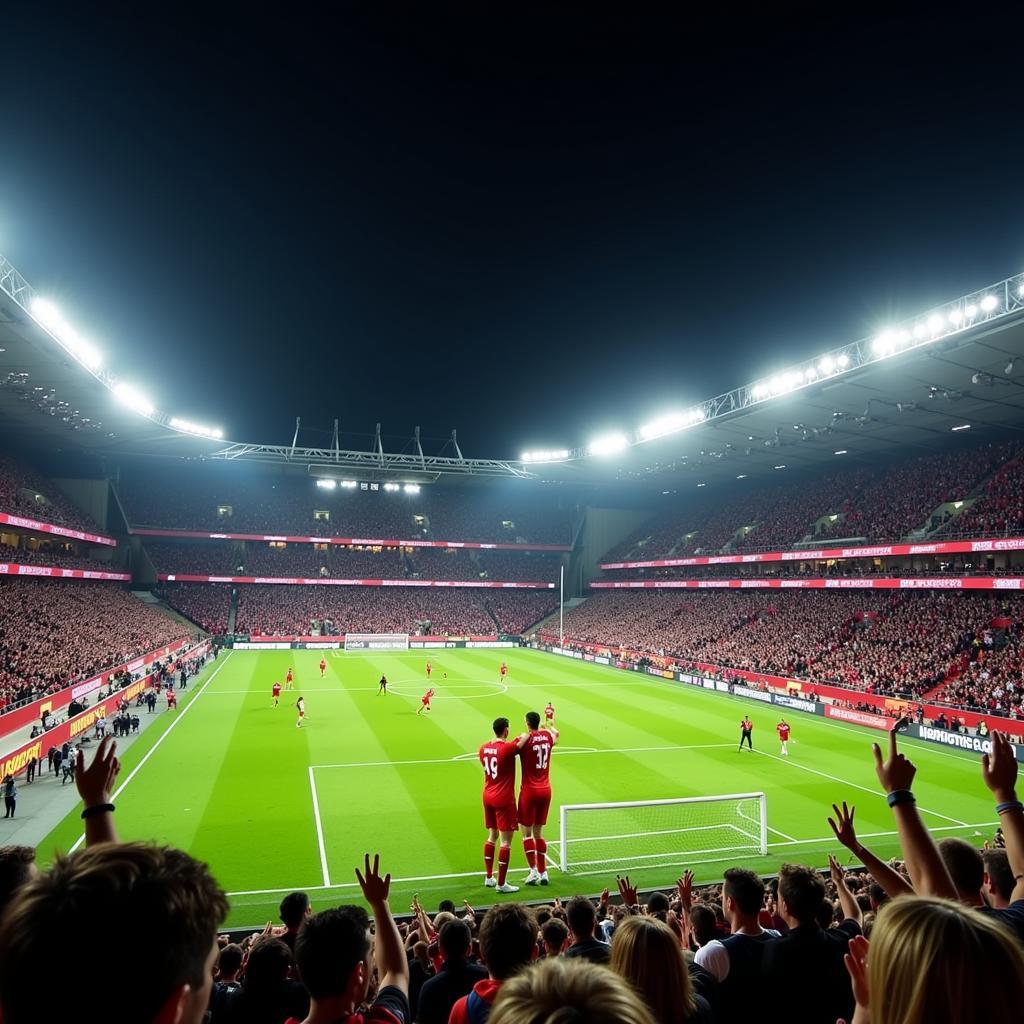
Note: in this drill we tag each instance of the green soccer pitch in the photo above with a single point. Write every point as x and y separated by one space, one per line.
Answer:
273 808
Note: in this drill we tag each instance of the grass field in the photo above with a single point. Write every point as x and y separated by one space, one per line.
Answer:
274 808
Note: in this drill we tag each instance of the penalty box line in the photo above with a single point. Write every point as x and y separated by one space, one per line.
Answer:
579 874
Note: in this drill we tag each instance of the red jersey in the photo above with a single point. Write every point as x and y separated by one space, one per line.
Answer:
549 712
323 664
288 678
504 668
783 730
428 668
426 697
277 689
498 758
536 760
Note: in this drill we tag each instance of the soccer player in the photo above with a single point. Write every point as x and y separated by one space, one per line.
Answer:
288 679
425 701
301 705
746 731
428 670
503 671
172 699
382 686
276 692
323 667
498 758
549 712
783 730
535 794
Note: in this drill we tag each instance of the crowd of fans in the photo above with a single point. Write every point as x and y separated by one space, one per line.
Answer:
24 492
202 498
936 935
905 643
252 558
57 632
63 557
206 604
884 504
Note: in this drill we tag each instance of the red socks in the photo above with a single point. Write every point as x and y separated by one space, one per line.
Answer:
542 849
489 858
529 848
504 853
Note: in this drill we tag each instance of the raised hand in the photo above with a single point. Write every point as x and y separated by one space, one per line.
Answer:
375 889
856 960
626 890
999 768
835 870
684 887
842 826
898 771
96 783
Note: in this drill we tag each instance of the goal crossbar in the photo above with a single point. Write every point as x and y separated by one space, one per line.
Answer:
752 827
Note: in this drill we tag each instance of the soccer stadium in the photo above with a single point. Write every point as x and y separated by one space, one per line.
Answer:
645 724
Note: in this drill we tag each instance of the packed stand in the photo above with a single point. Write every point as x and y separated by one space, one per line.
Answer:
214 499
517 612
883 643
873 505
61 558
53 634
24 492
208 605
1000 509
936 935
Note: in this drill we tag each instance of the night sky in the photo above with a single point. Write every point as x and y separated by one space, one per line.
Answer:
528 226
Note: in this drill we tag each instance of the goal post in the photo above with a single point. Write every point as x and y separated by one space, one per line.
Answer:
376 641
635 834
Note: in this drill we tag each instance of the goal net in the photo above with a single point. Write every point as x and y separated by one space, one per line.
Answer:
376 641
638 834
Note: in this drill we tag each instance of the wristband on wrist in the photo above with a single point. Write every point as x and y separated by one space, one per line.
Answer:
1009 805
901 796
91 812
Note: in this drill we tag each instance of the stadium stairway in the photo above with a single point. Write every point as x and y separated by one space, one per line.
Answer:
550 622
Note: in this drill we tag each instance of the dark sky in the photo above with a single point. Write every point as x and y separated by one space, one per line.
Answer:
530 226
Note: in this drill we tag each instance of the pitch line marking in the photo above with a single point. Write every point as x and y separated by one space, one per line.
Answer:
470 756
855 785
152 750
319 830
575 874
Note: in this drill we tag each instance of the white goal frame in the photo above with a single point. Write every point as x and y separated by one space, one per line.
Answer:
376 641
565 810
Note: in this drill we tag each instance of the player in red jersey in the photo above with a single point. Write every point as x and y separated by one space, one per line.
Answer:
535 794
276 692
288 679
549 712
783 730
428 669
300 704
498 758
323 668
172 699
503 671
425 700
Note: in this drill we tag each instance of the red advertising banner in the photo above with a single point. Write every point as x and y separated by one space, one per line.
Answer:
840 583
11 569
860 718
145 531
340 638
951 547
59 531
29 713
321 582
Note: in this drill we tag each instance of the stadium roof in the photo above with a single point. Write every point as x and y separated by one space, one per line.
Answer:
920 394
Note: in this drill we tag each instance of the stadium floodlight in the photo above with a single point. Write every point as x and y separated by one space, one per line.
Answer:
327 485
187 427
970 311
131 396
920 329
956 316
826 366
350 484
546 455
392 487
608 445
962 426
989 303
411 488
782 466
843 361
936 323
840 451
46 313
671 423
